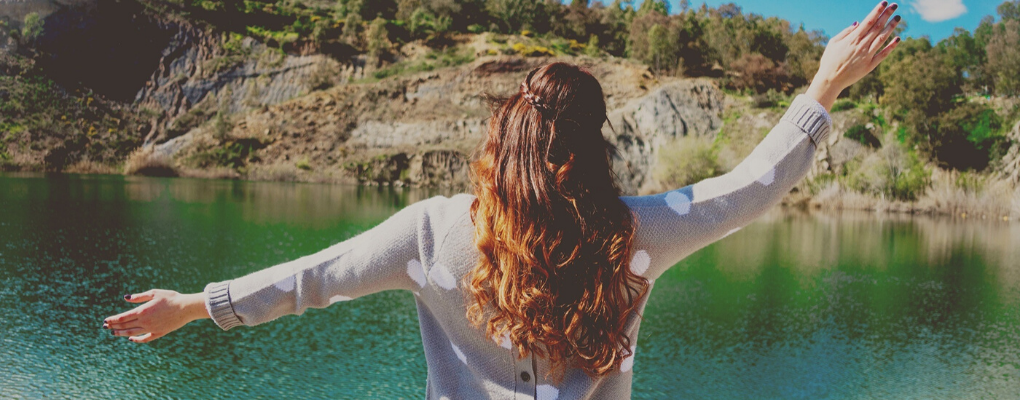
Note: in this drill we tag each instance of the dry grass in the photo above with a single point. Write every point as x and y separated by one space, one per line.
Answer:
210 173
961 194
992 199
147 162
91 167
282 172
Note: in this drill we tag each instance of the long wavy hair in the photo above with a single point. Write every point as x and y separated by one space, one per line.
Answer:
555 237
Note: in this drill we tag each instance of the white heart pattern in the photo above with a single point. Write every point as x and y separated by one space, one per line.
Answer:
628 362
679 202
442 277
338 298
460 354
546 392
287 284
416 272
640 261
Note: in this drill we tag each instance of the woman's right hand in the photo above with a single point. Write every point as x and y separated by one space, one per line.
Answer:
854 53
164 311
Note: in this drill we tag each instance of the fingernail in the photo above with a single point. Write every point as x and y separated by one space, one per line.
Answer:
105 326
897 18
885 3
855 23
896 40
111 332
127 297
894 6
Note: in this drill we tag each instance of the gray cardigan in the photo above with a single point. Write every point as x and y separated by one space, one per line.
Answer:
428 247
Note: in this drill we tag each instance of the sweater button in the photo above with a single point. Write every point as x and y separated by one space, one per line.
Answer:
525 376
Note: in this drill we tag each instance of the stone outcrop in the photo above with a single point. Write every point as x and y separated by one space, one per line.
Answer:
197 75
1010 168
639 128
421 129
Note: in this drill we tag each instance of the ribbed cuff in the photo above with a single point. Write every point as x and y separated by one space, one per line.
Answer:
811 117
217 302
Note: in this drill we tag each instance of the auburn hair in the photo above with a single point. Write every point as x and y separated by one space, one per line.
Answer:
555 237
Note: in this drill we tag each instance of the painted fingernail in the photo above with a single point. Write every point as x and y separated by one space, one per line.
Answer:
105 326
885 3
127 297
897 18
897 40
112 332
894 6
855 23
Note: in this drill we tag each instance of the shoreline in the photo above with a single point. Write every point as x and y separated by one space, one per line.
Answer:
796 201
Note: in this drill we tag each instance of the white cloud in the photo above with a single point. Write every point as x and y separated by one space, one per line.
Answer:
939 10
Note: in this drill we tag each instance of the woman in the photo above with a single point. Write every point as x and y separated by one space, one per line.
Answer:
534 285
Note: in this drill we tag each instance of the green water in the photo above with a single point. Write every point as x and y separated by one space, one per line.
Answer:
790 307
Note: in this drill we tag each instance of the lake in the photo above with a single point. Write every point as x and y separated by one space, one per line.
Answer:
794 306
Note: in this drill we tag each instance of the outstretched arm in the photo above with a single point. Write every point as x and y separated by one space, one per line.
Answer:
388 256
674 224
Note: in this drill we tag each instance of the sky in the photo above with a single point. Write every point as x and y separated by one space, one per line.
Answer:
934 18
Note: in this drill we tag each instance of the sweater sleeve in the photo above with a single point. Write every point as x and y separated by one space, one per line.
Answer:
388 256
674 224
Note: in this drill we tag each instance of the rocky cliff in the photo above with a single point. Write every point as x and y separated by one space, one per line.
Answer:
1010 168
421 129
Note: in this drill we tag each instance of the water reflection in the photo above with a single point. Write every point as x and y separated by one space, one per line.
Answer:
855 305
840 306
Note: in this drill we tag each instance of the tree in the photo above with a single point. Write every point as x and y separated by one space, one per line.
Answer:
377 40
1009 10
353 26
754 71
639 44
805 50
614 23
922 82
692 51
32 28
660 7
1003 52
513 15
661 49
963 53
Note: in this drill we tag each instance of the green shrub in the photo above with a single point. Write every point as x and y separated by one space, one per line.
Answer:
769 99
32 28
235 153
892 172
863 135
450 57
843 105
687 160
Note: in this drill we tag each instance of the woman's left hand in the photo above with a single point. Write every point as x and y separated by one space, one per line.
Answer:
854 53
164 311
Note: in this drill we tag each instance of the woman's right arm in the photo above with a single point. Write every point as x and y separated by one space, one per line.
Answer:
674 224
388 256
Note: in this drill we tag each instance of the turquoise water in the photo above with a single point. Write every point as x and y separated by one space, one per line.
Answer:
792 306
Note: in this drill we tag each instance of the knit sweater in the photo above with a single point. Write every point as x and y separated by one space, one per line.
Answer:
428 247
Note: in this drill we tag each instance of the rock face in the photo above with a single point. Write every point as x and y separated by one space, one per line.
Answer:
205 73
676 109
179 73
422 129
1010 169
